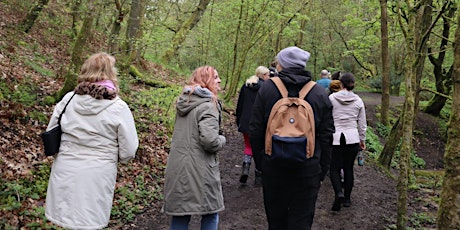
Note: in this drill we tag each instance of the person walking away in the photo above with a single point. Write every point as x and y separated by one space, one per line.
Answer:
98 131
335 85
290 191
324 81
349 138
192 178
243 113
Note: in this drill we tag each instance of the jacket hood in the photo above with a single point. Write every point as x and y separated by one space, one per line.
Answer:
87 105
294 76
254 83
93 98
345 97
188 101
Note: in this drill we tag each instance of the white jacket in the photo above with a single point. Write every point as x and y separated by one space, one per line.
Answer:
349 117
96 135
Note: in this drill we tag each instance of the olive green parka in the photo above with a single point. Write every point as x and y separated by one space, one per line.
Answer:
192 177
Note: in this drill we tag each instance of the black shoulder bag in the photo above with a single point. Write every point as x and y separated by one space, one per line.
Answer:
52 139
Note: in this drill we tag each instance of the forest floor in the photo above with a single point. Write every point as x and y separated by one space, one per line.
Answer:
374 195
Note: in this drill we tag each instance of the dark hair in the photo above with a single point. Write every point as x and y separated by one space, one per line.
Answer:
336 75
272 72
348 81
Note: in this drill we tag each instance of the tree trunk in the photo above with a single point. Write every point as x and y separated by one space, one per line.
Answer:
134 29
406 145
391 144
183 31
116 27
75 15
384 110
443 77
33 14
416 37
449 207
77 52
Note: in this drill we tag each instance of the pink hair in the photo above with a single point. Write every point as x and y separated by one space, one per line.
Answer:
204 76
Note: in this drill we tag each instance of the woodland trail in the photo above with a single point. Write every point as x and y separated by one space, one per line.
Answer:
374 197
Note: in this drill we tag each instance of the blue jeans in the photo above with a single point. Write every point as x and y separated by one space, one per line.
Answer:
208 222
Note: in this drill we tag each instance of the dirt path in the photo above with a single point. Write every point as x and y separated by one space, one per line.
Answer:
373 197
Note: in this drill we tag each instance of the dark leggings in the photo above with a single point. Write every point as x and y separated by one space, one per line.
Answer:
343 157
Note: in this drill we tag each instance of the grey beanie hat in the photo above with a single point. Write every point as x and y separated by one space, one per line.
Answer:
293 57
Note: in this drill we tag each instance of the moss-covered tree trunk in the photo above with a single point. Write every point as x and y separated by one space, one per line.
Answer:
134 29
76 15
406 146
391 143
33 14
183 31
449 207
112 44
77 52
416 33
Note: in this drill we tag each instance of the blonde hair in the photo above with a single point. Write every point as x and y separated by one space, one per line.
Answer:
99 66
261 70
252 80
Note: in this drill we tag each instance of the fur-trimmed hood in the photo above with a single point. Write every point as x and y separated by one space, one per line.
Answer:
87 105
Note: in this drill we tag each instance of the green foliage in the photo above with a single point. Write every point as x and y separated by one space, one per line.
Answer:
38 116
430 179
160 101
49 100
13 193
415 161
376 82
382 130
37 67
134 197
418 220
23 93
373 145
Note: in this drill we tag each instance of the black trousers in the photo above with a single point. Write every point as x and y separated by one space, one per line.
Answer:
290 200
343 157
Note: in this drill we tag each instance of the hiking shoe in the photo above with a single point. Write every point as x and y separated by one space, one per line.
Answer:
347 202
339 199
245 172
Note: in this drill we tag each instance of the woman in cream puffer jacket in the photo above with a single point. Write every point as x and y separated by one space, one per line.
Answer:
98 132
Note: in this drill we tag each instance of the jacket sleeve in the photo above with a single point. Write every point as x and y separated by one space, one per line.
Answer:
324 132
239 106
128 141
257 127
362 123
208 126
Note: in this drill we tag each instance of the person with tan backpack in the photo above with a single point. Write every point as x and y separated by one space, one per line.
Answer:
291 130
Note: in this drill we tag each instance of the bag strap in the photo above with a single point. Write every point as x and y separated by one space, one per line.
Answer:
279 84
306 89
65 107
284 93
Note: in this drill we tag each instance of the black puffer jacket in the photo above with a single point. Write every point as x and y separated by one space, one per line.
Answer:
246 100
294 80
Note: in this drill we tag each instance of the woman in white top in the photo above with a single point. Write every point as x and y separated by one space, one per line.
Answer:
349 138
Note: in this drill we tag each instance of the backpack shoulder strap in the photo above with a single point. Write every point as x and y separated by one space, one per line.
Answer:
306 89
279 84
